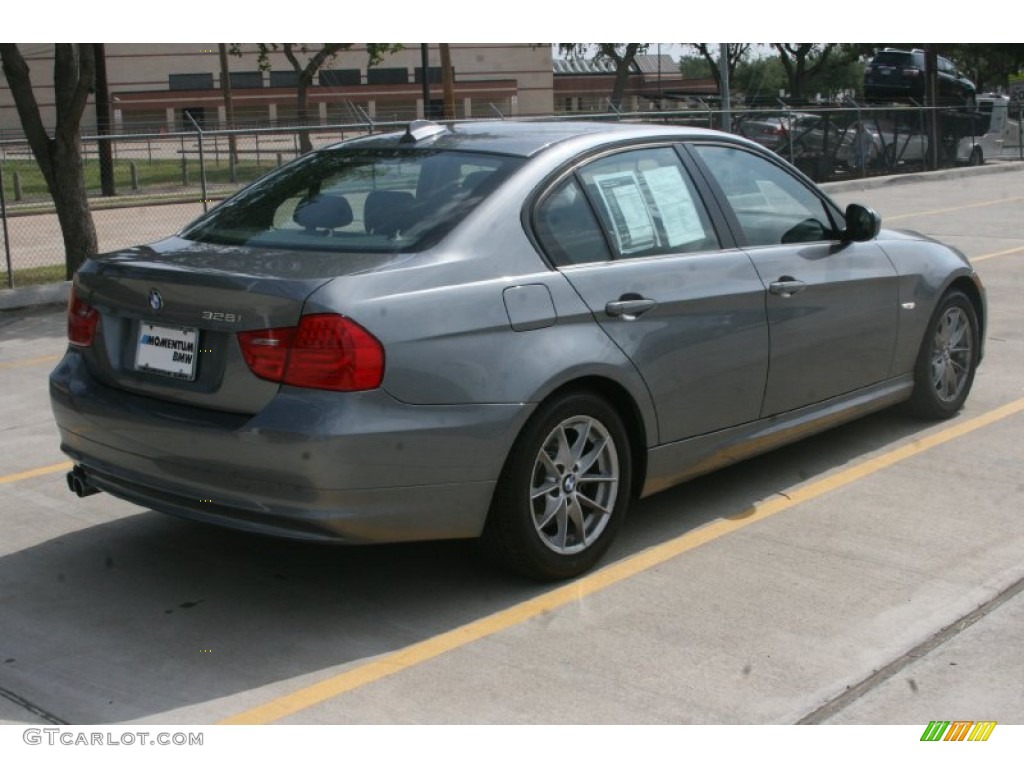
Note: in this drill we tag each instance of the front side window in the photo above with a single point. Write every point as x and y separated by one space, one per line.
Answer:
771 205
350 199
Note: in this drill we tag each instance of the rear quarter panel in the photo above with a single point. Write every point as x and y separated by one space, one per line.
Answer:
446 329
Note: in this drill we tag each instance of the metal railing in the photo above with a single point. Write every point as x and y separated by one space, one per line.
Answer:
166 179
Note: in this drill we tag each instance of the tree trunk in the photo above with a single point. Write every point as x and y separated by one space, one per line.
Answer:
72 204
447 81
621 81
229 109
302 113
60 157
105 149
622 66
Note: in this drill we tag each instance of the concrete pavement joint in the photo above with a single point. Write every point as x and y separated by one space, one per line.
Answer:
30 707
944 635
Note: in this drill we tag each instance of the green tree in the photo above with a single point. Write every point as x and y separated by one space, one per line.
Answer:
60 155
622 55
710 53
989 64
306 61
760 78
803 61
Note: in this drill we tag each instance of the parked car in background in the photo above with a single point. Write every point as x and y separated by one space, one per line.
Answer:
882 143
990 131
775 130
809 141
894 74
501 330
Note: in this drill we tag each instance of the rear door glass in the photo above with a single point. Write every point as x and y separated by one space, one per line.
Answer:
648 204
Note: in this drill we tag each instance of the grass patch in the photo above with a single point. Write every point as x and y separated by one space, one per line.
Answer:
34 276
157 175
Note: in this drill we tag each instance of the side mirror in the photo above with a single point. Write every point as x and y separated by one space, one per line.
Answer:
862 224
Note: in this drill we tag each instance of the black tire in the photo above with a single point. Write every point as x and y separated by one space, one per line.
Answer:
976 158
563 492
948 358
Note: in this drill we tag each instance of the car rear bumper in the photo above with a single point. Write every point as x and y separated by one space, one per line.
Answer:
895 90
352 467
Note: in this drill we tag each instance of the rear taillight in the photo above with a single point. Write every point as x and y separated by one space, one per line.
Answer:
322 352
82 320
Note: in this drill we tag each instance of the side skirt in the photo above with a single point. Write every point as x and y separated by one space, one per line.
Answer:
671 464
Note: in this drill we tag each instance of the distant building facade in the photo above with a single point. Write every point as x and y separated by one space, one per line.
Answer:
154 86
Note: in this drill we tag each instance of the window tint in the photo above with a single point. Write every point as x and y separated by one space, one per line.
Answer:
567 229
771 205
894 58
647 203
357 200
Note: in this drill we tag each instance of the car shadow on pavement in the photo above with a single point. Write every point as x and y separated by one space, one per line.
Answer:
148 614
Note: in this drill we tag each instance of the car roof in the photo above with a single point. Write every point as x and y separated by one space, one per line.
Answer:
521 138
897 54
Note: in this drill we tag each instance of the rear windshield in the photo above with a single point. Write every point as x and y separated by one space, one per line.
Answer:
380 200
893 58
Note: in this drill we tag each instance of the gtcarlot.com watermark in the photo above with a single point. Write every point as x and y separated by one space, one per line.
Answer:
70 737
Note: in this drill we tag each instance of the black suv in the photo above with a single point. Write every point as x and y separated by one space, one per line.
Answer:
893 74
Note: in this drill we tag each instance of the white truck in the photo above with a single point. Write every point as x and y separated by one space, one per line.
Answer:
992 133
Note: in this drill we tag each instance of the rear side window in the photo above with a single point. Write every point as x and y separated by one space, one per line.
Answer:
567 228
357 200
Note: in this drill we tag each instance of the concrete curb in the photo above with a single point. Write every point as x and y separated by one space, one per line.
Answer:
874 182
34 295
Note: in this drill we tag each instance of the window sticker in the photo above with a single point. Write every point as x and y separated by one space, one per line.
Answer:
778 201
631 220
675 204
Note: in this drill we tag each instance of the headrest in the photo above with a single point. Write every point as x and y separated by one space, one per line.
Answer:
387 212
323 212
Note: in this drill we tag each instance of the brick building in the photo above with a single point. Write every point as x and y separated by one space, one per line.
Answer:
153 85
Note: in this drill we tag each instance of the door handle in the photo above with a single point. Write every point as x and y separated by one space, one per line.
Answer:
786 286
628 307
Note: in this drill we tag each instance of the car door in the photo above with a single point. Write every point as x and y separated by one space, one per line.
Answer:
832 305
631 234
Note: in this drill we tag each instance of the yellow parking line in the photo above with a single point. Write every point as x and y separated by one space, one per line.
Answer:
30 361
955 208
417 653
64 466
1007 252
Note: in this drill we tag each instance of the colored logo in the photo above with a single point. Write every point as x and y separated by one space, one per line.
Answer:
958 730
156 301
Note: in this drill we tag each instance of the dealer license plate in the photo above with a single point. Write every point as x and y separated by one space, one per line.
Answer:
167 351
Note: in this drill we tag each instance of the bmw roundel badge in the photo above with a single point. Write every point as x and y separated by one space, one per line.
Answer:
156 301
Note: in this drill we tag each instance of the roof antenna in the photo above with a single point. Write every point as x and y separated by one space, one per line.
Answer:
419 130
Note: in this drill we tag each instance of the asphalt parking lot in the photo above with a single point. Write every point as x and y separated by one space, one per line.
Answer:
869 575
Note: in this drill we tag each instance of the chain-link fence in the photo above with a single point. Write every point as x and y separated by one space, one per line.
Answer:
161 181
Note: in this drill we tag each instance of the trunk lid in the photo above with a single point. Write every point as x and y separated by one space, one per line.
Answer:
170 314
